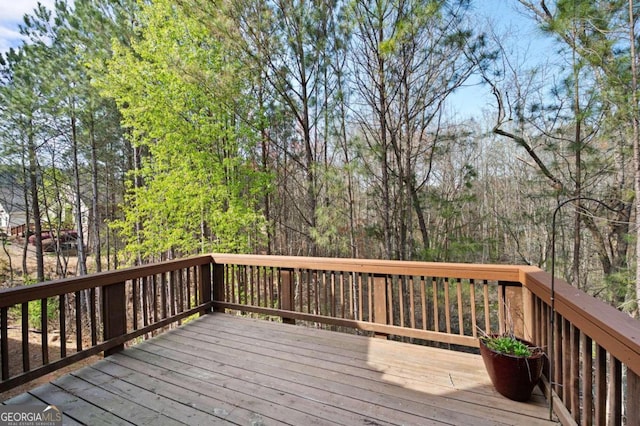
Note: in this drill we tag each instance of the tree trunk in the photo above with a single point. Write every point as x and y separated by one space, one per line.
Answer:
33 185
96 217
82 260
636 144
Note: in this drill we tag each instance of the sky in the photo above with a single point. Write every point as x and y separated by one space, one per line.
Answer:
468 102
11 13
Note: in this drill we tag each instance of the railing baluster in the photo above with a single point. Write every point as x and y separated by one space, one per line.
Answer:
601 385
25 336
436 308
502 306
188 287
566 362
360 306
369 278
472 301
181 303
248 276
547 338
4 342
487 312
44 332
305 280
412 303
195 280
258 285
93 314
154 289
295 289
271 289
447 306
400 282
163 294
315 279
341 285
574 390
268 287
78 320
460 307
423 301
633 396
63 327
173 294
615 391
587 379
239 285
145 302
326 304
228 286
557 353
334 297
134 302
389 295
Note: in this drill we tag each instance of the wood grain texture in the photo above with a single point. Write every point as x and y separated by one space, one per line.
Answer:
223 369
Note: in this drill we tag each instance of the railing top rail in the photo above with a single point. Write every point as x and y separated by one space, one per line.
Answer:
16 295
376 266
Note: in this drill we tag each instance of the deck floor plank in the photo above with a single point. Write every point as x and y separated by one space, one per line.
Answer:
333 398
224 369
77 408
330 375
213 389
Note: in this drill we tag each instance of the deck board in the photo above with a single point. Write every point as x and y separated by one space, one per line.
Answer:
223 369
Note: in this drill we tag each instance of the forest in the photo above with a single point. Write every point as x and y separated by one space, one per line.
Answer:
160 129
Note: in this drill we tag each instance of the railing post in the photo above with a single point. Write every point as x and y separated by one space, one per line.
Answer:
114 308
205 287
287 296
512 310
218 285
380 303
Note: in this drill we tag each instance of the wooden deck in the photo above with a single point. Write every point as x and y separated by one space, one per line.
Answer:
223 369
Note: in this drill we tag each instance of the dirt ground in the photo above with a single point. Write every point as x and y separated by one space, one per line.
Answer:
35 335
35 357
15 248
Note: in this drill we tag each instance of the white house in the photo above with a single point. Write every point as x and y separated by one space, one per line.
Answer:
13 215
12 211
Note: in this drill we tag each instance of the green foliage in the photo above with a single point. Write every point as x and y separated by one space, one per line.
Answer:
183 101
35 312
507 345
619 289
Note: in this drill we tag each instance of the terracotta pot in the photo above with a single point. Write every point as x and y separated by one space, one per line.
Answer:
512 376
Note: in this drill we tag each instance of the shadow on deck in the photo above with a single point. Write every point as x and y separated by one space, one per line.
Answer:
227 369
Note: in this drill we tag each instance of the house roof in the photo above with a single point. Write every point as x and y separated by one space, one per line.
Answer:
11 194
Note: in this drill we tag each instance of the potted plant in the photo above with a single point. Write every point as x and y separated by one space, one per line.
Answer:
514 365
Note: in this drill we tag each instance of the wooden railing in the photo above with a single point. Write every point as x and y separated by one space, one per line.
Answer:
597 352
102 311
442 303
595 367
597 348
